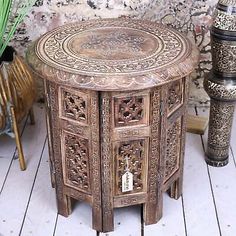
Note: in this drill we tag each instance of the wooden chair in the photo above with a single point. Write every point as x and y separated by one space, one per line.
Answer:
17 94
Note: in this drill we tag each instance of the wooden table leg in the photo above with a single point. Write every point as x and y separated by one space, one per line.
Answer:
96 164
64 205
154 202
175 189
49 133
106 162
63 201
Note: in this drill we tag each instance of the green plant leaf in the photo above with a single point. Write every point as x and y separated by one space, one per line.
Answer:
11 18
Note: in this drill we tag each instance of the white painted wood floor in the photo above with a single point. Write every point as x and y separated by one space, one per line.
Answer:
28 207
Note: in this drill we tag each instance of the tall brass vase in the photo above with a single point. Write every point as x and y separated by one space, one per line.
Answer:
220 84
17 94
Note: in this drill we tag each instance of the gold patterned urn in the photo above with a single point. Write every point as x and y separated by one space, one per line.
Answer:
220 84
17 94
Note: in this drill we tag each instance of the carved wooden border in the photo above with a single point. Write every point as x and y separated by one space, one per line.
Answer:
106 161
96 162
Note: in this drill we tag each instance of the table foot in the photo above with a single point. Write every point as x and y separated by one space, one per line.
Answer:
105 223
64 206
97 218
153 211
175 190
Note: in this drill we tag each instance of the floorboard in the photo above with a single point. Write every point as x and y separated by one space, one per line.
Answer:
224 189
127 222
79 223
197 195
8 153
15 194
172 222
41 213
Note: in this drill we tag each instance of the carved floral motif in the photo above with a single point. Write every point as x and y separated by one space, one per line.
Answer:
57 48
114 45
74 106
129 111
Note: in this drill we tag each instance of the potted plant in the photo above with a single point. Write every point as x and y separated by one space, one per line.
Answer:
12 13
17 86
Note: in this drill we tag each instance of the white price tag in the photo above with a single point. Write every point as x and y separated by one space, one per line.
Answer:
127 182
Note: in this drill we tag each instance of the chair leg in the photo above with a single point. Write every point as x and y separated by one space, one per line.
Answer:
18 141
31 115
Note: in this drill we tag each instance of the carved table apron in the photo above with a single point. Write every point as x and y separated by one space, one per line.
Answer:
116 98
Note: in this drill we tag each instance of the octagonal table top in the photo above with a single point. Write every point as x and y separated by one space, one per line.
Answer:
113 54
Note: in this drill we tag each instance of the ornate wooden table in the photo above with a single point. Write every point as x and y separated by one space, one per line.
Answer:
116 99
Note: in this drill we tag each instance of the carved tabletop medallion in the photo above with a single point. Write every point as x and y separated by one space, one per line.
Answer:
113 54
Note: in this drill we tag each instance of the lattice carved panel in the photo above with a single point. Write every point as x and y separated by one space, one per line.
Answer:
74 106
76 161
175 96
173 149
130 111
131 155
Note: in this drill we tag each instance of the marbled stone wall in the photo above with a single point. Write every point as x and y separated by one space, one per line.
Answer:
193 17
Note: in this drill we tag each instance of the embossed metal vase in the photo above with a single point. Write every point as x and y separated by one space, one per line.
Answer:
220 84
17 94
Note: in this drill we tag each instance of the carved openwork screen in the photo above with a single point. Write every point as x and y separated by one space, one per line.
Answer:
76 161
